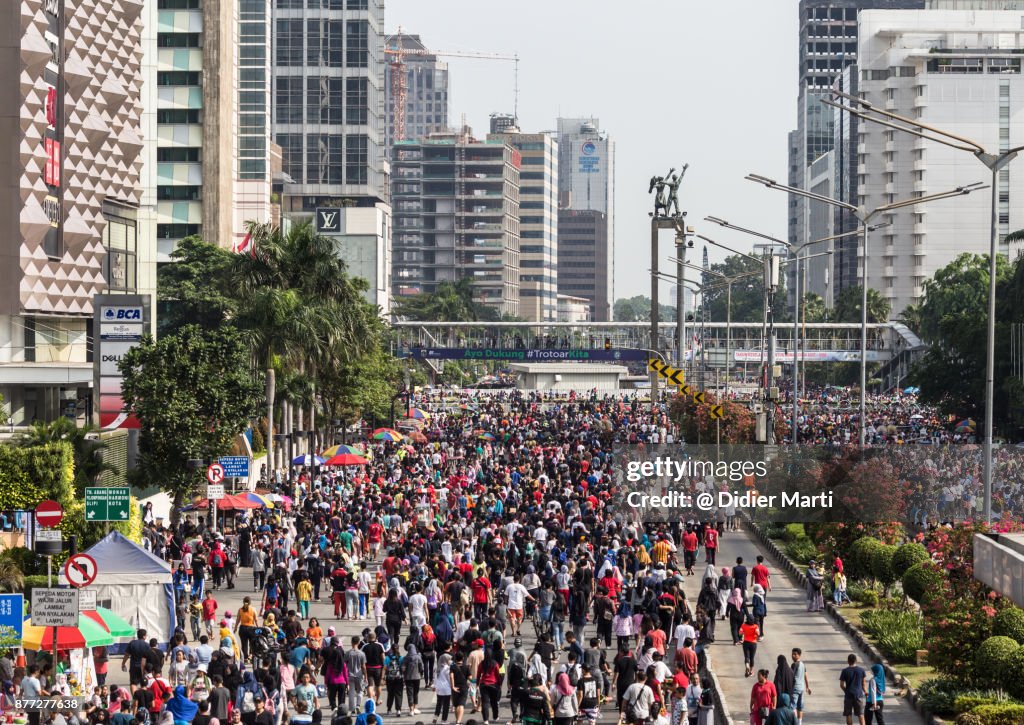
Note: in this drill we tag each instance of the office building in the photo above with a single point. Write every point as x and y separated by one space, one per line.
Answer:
77 137
960 71
828 44
328 119
584 260
503 122
538 222
456 206
426 89
586 182
213 120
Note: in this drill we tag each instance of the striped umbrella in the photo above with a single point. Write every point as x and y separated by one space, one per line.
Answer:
418 413
342 448
387 434
87 634
114 623
257 498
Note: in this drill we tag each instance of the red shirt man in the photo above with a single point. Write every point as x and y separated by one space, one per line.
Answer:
711 538
689 541
759 574
481 586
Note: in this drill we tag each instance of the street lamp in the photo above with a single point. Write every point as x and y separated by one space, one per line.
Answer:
864 216
795 250
728 311
994 163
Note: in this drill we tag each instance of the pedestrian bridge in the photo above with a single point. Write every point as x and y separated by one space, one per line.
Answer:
737 346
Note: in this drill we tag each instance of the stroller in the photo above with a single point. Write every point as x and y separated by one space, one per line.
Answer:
263 642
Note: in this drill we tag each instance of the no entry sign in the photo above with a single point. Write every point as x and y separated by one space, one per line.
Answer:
49 513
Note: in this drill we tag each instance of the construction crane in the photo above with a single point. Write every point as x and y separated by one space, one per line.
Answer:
399 81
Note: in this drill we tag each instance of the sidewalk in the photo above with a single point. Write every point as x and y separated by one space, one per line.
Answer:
787 625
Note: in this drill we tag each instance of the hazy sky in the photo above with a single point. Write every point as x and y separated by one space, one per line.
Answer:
711 83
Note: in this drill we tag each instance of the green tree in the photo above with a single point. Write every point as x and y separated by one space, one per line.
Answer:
747 292
196 289
298 307
452 302
638 309
193 392
848 304
812 308
362 388
85 443
951 373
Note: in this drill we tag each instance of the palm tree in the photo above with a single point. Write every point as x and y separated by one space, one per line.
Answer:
299 305
847 306
912 317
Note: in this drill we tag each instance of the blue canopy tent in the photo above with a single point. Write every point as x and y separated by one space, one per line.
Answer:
135 584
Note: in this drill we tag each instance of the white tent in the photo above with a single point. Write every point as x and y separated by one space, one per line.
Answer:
134 584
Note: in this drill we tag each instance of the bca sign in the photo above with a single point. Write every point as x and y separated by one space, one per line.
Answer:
328 220
121 314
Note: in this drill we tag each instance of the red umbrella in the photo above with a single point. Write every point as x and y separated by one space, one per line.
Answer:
346 459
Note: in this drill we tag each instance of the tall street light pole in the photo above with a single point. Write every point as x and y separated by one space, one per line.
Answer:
994 163
728 281
795 251
864 217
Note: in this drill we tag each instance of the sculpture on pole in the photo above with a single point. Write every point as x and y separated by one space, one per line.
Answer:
664 202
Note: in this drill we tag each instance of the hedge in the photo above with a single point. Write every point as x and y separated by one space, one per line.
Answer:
862 553
801 550
1003 714
907 555
993 662
1010 623
920 580
1016 682
882 565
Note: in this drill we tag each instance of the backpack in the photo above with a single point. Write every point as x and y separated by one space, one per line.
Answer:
394 669
574 675
632 711
248 703
692 700
464 597
216 559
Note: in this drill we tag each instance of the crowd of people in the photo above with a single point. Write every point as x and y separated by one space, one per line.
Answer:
486 565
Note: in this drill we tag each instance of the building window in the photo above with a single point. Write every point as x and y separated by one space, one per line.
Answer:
120 240
177 231
291 154
324 159
289 42
179 153
177 40
178 115
357 44
179 193
357 101
358 4
178 4
324 43
288 100
324 101
178 78
357 159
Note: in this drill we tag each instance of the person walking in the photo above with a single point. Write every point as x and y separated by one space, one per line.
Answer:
750 634
259 568
875 696
488 682
815 584
736 609
442 688
725 587
412 674
801 683
853 682
763 699
759 609
394 682
564 702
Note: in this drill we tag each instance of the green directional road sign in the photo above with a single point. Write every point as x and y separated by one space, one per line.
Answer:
107 503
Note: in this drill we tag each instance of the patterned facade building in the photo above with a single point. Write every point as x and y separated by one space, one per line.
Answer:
77 139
